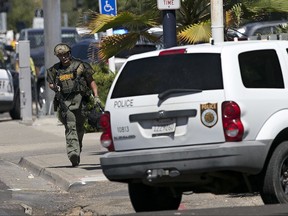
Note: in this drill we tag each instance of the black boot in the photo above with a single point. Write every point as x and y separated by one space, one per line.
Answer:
75 160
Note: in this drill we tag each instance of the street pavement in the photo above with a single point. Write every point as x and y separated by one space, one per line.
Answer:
57 168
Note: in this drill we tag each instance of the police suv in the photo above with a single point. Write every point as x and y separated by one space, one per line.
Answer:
201 118
6 90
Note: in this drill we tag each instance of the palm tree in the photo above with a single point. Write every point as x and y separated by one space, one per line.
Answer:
193 20
137 26
194 11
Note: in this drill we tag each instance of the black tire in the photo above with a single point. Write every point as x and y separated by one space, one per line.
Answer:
15 112
146 198
275 182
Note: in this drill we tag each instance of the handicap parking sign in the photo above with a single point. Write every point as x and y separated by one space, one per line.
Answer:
108 7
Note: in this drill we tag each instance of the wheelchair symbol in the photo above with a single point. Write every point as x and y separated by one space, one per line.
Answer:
107 7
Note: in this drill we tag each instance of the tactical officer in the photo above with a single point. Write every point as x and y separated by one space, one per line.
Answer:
72 81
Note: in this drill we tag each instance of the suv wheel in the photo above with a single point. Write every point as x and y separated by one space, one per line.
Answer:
147 198
15 112
275 184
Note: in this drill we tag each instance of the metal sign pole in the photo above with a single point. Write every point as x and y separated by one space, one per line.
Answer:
52 30
169 28
25 82
3 22
111 61
109 7
169 21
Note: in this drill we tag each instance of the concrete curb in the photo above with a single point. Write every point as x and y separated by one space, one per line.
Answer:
47 136
62 174
38 168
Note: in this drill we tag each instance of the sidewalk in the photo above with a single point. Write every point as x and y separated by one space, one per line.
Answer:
56 168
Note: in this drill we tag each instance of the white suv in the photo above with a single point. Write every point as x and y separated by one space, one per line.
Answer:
201 118
6 91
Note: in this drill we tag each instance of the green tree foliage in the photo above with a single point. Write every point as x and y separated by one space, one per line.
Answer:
240 12
196 33
91 5
103 80
193 20
21 13
267 5
193 12
137 26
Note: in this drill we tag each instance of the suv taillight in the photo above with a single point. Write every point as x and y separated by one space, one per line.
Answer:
106 137
232 125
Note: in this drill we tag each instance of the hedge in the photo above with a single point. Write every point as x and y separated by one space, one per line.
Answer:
104 79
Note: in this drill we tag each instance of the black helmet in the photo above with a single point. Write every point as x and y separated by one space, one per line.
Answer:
61 48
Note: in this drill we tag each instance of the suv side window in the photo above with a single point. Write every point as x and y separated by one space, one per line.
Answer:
155 75
261 69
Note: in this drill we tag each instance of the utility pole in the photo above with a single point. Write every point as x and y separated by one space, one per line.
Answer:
52 35
4 8
217 20
25 82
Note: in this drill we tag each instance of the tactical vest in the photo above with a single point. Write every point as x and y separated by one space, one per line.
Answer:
71 80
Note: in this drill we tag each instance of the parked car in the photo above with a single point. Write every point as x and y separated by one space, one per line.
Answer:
6 91
201 118
86 50
257 29
9 84
9 93
69 35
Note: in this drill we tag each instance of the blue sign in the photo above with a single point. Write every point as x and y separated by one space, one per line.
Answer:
108 7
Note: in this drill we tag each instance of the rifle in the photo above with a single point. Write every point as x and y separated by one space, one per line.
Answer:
59 97
59 100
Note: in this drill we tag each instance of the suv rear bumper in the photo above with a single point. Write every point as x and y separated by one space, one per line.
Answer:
245 157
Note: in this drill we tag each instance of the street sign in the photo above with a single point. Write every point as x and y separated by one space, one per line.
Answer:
108 7
168 4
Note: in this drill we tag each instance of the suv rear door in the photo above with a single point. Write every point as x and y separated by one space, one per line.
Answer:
167 100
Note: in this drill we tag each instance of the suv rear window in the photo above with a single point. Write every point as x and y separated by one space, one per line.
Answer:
154 75
261 69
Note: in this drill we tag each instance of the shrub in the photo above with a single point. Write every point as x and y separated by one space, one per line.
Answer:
104 79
